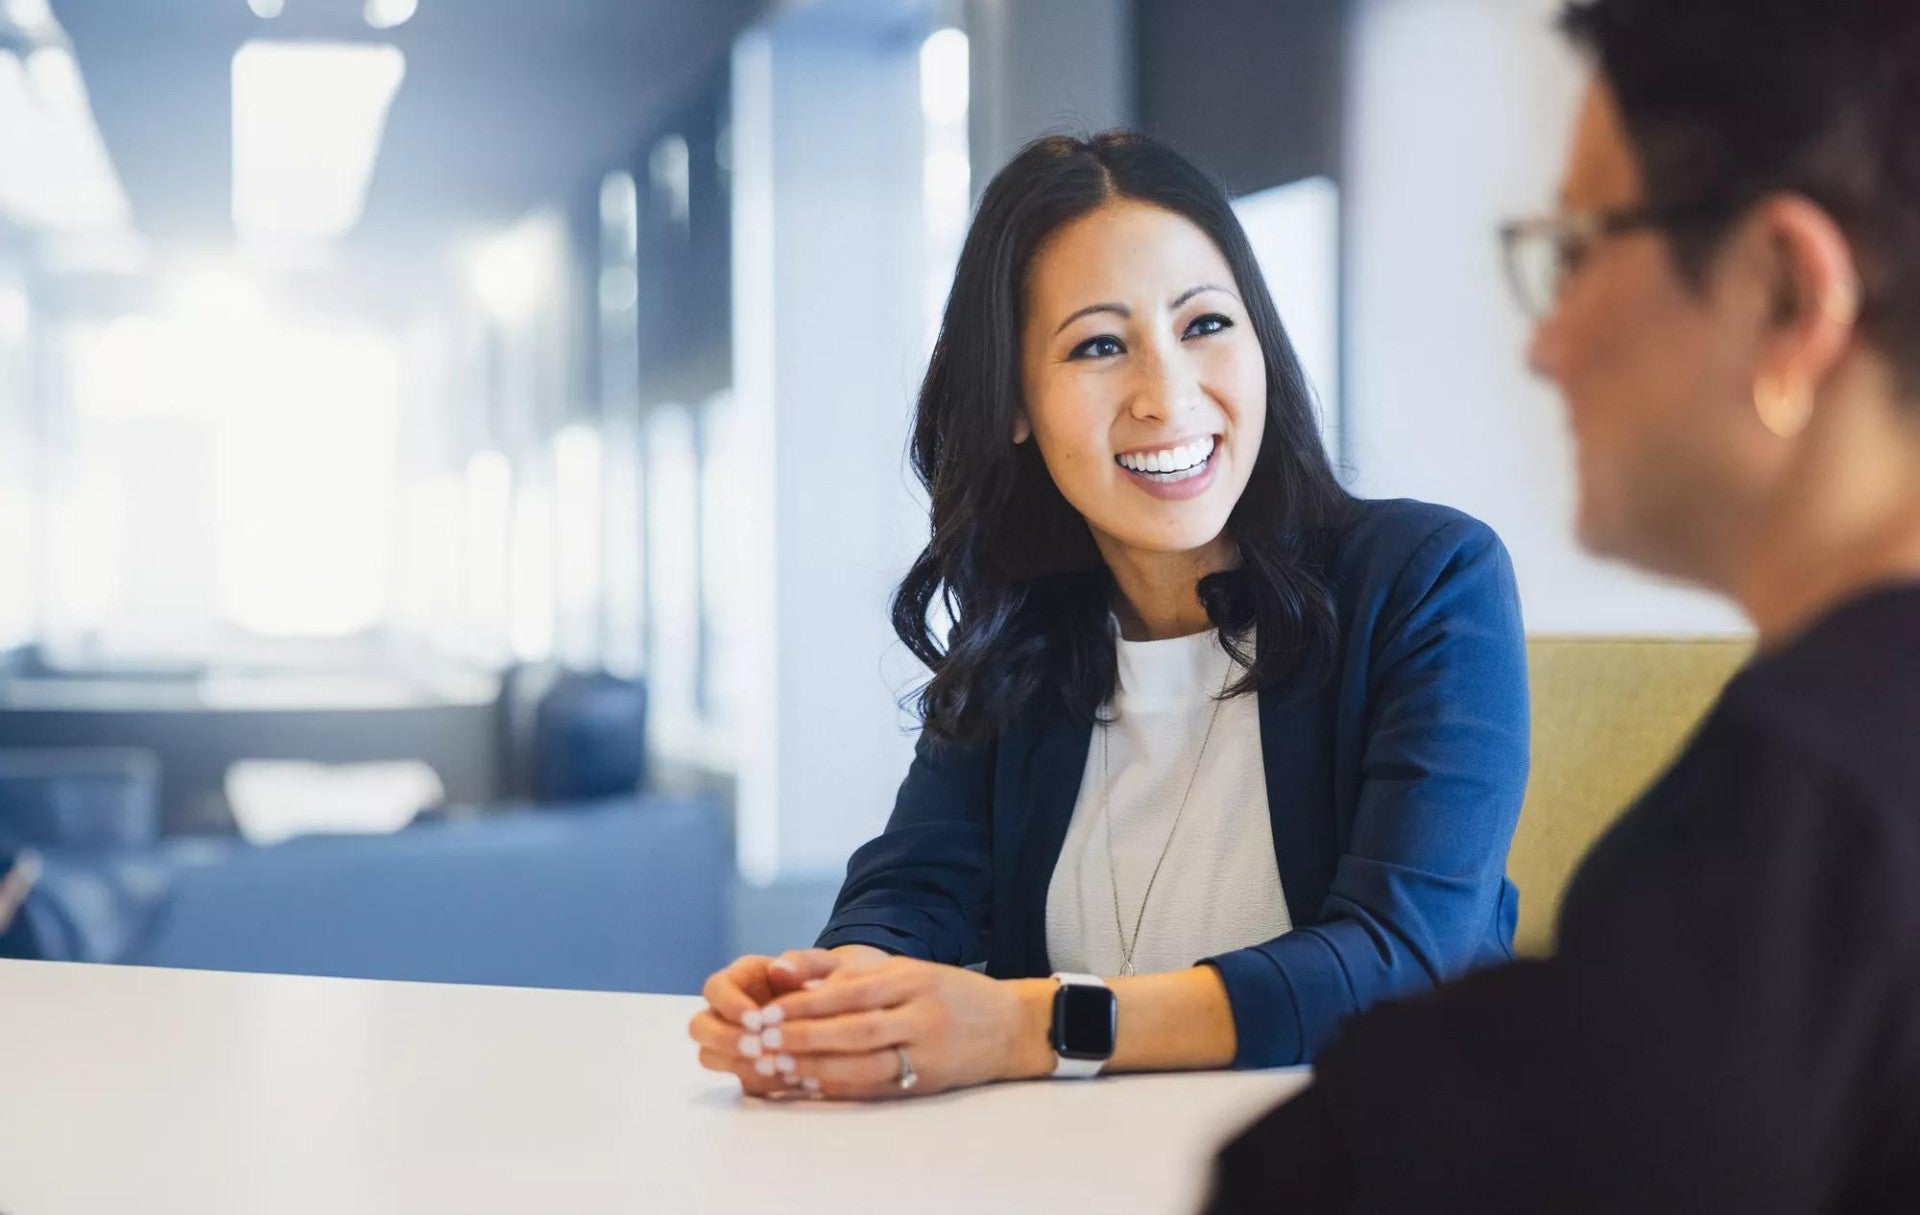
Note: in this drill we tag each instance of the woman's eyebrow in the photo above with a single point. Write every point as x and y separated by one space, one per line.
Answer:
1124 311
1090 309
1190 292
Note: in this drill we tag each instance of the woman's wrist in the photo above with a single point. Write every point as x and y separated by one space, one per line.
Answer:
1029 1051
860 953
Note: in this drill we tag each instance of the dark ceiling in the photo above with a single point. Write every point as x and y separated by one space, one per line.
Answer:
506 103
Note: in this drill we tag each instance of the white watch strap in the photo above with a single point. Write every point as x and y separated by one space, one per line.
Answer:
1077 1069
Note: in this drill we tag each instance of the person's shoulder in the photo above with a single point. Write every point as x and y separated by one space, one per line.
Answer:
1403 546
1846 691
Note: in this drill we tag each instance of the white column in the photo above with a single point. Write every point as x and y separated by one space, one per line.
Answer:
829 344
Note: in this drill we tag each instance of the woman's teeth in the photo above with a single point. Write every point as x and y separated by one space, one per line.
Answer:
1170 463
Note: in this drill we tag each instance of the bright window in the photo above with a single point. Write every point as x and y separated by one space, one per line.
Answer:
217 465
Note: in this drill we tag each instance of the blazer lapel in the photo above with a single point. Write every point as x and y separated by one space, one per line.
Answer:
1296 752
1054 768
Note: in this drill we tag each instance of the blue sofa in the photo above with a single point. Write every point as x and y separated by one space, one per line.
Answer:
628 894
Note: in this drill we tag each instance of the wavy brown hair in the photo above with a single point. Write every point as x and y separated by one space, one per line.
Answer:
1010 563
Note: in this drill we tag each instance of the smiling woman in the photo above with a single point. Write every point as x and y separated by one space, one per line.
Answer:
1090 281
1201 722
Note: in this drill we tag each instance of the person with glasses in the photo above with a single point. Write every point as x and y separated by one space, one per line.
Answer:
1729 303
1213 754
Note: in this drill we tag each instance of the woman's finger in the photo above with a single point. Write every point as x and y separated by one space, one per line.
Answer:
740 990
715 1061
797 967
882 987
848 1034
723 1037
868 1077
752 1080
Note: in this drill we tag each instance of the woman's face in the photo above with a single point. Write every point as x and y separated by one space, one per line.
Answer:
1657 374
1144 384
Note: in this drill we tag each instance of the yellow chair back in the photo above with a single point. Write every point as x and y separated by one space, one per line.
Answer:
1609 715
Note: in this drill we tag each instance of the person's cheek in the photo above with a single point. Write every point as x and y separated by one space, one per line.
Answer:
1241 379
1083 439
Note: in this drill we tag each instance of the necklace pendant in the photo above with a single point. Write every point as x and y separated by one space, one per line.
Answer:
1127 970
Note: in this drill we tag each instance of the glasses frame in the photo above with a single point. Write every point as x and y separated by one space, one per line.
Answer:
1584 230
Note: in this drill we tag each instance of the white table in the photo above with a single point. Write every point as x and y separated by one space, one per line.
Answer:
128 1090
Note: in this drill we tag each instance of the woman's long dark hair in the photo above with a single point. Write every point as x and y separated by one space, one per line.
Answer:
1010 562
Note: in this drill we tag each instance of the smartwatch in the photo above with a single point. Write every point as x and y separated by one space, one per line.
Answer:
1086 1018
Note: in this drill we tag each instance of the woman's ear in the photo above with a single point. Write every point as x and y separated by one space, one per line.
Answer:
1816 295
1022 429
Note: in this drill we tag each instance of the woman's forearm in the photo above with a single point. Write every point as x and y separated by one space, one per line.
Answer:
1180 1021
1175 1021
861 953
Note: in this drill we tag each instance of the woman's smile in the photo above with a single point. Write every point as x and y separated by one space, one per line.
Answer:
1172 471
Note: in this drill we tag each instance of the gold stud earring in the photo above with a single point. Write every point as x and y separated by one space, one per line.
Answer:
1785 411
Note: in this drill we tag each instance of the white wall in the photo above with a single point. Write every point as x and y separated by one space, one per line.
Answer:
829 344
1295 233
1456 120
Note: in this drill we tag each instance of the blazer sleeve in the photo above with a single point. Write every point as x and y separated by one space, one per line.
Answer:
923 888
1419 886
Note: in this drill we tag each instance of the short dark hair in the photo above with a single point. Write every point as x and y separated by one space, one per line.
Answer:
1010 562
1728 101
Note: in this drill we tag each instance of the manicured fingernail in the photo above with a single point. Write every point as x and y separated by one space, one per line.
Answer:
810 1084
780 964
810 984
784 1063
763 1066
772 1014
752 1019
750 1045
770 1039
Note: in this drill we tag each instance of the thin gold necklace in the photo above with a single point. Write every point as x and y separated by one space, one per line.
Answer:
1106 812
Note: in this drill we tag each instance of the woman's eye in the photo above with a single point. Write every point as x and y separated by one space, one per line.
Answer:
1213 322
1103 347
1569 256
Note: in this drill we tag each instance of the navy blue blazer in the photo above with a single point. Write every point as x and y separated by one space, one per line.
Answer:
1394 787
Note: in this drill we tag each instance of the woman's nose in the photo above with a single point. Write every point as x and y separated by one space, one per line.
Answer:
1167 387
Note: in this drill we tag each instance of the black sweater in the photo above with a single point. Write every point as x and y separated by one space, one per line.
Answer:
1732 1020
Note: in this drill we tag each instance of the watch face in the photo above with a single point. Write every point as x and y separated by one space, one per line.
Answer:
1084 1019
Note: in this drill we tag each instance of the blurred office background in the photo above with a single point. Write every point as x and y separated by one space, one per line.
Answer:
451 451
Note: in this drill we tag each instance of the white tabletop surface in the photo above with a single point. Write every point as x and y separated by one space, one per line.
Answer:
128 1090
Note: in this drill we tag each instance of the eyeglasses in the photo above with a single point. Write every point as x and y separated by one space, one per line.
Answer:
1544 254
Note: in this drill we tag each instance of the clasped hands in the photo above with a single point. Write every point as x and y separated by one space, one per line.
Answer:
832 1023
